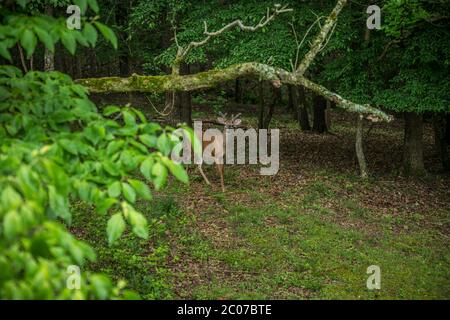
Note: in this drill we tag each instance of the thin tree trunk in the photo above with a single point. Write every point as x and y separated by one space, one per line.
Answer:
238 91
291 98
320 104
184 101
447 130
413 145
22 59
49 57
440 126
359 148
359 142
122 12
276 96
303 118
328 116
266 117
261 105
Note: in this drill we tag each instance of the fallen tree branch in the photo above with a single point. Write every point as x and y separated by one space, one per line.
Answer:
212 78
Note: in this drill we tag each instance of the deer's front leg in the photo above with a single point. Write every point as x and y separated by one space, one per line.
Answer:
203 174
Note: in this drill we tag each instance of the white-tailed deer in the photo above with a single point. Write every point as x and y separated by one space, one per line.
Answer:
216 143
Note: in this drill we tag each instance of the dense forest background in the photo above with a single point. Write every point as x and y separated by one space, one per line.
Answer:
352 191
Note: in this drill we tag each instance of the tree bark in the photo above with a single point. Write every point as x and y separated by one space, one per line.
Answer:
122 12
319 124
265 116
261 105
440 126
447 129
238 91
49 57
413 145
291 98
213 78
360 149
302 111
184 101
328 116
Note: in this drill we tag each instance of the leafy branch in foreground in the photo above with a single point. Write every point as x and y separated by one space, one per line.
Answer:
56 150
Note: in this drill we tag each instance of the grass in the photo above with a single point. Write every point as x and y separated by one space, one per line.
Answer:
285 237
273 249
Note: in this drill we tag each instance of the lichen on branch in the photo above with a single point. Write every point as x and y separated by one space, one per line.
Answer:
212 78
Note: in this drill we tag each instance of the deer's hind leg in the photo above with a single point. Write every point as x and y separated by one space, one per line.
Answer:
203 174
220 169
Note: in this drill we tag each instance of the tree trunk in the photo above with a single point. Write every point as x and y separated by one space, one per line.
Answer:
291 98
122 13
266 117
413 145
303 118
238 91
261 105
447 130
360 149
320 104
440 126
49 57
328 116
184 101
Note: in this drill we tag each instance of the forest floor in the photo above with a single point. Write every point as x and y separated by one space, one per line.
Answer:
308 232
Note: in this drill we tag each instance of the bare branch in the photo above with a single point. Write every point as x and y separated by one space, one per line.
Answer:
237 23
321 38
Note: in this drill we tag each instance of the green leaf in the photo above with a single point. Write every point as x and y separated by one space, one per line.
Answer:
12 224
94 5
69 42
164 144
28 41
90 34
103 205
129 119
138 223
10 199
82 4
22 3
146 167
45 38
107 33
69 146
176 169
4 52
111 168
109 110
141 188
58 204
114 189
159 173
114 146
148 140
115 227
128 192
101 285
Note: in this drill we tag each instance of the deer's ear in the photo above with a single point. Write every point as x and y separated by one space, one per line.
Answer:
221 120
237 122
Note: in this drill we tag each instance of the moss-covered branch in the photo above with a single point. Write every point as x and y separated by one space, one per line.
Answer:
318 43
212 78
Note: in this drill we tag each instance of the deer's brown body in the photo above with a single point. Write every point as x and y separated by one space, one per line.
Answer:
217 144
